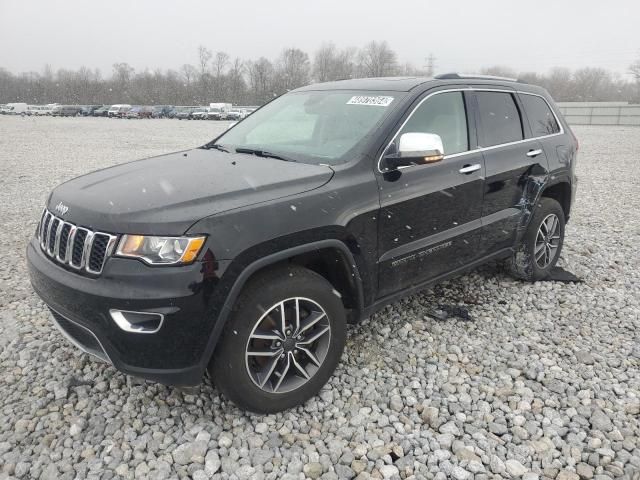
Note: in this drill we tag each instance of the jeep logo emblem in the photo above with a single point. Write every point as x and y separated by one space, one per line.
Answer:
61 208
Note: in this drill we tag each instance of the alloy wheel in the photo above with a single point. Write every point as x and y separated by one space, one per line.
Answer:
288 345
547 241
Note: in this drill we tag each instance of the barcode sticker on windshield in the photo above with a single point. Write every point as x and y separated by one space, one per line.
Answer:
374 101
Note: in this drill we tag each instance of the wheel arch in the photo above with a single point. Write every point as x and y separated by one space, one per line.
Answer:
560 192
317 256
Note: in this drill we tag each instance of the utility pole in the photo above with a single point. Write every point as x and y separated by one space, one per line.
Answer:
431 65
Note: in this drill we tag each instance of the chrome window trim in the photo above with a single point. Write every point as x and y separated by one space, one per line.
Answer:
479 148
555 115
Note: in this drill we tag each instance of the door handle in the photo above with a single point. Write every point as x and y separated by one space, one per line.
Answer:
534 153
470 168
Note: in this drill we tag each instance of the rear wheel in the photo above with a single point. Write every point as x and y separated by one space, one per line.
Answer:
282 342
541 245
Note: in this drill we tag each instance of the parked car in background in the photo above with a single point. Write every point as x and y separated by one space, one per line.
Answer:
39 110
221 108
118 110
184 113
32 110
102 111
233 115
87 110
66 110
199 113
139 112
161 111
43 110
14 109
214 113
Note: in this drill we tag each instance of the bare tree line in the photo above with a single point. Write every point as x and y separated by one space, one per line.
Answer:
217 77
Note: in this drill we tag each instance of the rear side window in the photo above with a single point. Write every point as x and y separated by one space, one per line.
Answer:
499 117
540 116
443 114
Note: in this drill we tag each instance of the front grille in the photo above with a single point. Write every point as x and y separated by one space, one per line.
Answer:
98 251
76 247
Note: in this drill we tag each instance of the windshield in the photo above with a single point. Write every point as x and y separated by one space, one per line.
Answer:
313 127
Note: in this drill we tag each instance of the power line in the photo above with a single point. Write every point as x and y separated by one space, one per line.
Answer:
431 65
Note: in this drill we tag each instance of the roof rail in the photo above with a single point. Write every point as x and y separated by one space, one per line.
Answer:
476 76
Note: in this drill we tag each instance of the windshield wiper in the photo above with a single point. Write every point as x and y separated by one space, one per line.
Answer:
263 153
217 147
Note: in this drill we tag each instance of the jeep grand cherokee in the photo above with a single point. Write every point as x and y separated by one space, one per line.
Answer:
248 256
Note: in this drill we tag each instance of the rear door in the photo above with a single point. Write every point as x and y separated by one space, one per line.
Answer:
430 214
511 158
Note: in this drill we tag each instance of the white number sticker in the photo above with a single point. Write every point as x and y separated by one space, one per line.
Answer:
374 101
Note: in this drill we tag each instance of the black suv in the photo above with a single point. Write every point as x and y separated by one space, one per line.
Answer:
248 256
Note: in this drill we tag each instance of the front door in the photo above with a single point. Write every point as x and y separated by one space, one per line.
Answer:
430 214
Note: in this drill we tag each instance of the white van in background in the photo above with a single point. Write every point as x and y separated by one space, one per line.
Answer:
14 109
118 110
38 110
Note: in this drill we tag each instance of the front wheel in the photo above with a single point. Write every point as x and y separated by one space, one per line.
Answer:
541 245
282 343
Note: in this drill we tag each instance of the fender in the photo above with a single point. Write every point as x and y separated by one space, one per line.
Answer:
536 184
272 259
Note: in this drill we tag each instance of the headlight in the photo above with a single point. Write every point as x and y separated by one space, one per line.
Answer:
160 250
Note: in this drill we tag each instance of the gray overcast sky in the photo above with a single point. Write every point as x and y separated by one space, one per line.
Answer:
463 36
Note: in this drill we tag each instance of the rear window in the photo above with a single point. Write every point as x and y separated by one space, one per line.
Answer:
499 117
540 116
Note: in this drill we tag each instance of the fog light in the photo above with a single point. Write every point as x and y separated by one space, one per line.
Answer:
137 322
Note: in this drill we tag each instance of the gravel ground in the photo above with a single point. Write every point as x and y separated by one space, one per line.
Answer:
543 382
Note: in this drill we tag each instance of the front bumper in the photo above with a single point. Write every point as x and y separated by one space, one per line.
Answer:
176 354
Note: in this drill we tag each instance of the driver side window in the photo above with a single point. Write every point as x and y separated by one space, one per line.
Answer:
443 114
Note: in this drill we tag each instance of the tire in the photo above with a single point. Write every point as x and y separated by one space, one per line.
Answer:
235 371
535 257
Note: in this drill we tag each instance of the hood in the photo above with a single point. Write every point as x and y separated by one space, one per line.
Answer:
167 194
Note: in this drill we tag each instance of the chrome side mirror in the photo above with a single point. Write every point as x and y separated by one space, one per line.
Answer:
415 149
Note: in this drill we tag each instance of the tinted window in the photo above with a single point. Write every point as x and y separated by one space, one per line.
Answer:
540 116
499 118
445 115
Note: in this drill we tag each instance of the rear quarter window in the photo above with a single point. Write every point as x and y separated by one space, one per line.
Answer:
540 116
